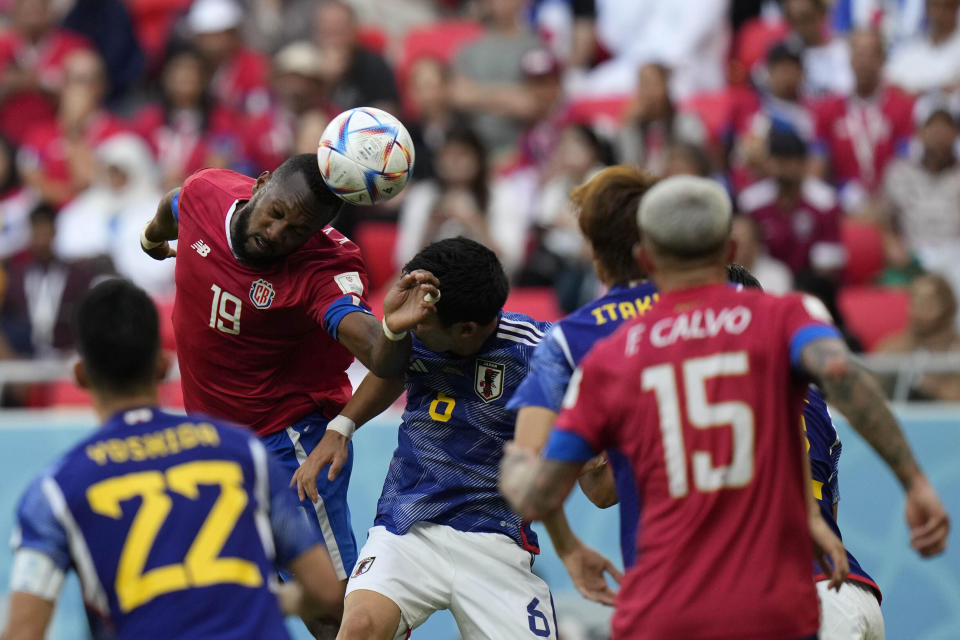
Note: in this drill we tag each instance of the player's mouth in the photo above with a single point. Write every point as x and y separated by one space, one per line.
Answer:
262 245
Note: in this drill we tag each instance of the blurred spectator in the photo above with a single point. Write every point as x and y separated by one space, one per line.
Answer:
653 124
923 200
780 107
107 218
688 159
543 83
797 214
689 37
488 76
560 257
430 112
931 60
752 254
188 129
354 75
826 60
42 291
857 136
310 127
57 158
296 89
272 24
239 73
32 54
897 20
569 28
16 202
932 329
108 25
453 204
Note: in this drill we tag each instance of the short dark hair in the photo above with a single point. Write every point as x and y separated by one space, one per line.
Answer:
785 51
473 286
118 336
305 165
43 212
783 143
739 274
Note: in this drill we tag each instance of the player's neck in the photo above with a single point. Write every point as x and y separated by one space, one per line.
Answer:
692 278
473 344
108 405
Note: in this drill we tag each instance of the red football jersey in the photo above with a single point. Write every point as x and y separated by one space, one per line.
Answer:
861 136
701 398
252 344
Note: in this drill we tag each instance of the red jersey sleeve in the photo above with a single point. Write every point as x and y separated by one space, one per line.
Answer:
806 319
338 289
590 407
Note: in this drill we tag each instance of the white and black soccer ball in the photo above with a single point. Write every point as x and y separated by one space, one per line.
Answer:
365 156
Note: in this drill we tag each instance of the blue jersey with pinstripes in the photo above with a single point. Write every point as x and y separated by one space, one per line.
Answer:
455 424
173 524
824 447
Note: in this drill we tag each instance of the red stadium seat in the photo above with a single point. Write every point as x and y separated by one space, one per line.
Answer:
67 394
865 255
377 241
441 40
171 395
165 311
715 109
874 313
539 303
372 37
597 111
751 44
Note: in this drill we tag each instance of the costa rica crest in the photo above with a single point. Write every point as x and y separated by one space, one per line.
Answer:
489 380
261 294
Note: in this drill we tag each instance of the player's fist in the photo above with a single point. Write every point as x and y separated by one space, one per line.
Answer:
411 300
927 519
162 252
333 449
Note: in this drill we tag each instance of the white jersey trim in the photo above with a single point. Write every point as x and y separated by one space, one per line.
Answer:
520 325
321 510
261 488
93 591
561 339
226 227
36 573
518 339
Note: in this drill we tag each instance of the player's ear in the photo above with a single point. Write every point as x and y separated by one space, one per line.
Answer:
730 251
262 179
467 329
163 365
80 375
642 257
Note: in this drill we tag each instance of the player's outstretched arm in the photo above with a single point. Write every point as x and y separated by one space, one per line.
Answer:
28 618
162 228
597 483
384 348
373 396
533 486
854 392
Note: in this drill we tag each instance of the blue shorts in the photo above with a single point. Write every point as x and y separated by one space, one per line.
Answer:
330 515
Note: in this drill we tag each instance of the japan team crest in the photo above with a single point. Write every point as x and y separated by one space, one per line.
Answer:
363 566
261 294
489 381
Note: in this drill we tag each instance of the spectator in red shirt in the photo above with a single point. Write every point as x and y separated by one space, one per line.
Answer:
32 54
57 159
239 74
797 214
858 135
188 130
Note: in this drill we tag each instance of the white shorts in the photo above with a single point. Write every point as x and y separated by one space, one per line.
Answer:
853 613
484 579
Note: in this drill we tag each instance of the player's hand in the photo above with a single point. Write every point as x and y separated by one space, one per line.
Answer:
928 520
162 252
406 305
587 568
333 449
826 545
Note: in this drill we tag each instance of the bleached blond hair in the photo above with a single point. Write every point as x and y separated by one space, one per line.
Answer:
686 216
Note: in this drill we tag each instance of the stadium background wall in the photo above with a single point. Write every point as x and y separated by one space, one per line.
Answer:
921 598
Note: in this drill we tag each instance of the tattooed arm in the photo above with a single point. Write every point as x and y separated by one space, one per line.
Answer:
534 486
854 392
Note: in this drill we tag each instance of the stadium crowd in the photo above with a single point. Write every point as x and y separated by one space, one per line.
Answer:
833 124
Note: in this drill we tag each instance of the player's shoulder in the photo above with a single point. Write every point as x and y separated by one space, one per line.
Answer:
758 195
521 330
330 250
222 181
819 194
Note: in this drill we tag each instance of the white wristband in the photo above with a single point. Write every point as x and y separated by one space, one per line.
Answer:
391 336
342 425
146 243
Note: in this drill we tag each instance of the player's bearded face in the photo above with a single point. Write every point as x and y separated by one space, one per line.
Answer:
266 230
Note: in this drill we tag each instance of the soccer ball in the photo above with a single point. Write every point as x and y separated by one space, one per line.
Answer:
365 156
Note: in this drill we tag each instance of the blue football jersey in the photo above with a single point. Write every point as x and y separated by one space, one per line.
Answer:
169 522
454 427
572 337
824 447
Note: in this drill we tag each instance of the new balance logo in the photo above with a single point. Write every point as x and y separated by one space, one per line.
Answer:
202 248
418 366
